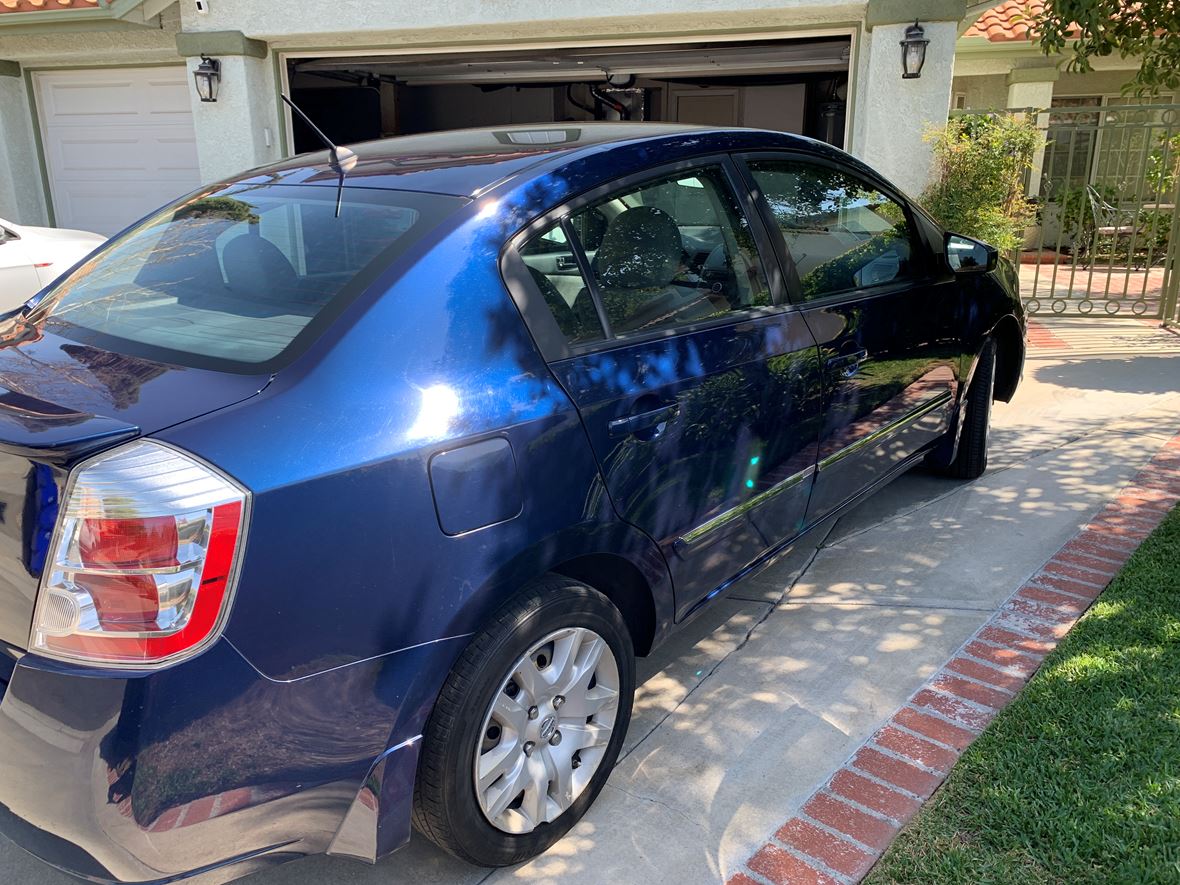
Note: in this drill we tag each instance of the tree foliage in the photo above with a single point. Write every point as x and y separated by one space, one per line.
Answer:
980 162
1145 29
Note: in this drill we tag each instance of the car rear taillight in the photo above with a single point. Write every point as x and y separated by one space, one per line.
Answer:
142 565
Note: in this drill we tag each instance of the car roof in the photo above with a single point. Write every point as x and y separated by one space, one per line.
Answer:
467 162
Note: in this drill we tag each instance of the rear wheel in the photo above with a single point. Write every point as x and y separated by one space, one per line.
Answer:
971 457
527 727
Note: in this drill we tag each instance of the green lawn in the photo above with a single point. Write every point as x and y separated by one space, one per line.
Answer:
1078 780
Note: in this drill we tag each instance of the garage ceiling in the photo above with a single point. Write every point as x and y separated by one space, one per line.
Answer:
585 65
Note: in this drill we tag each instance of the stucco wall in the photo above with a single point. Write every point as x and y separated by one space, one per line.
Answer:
114 44
892 114
1092 83
360 23
21 197
241 129
983 93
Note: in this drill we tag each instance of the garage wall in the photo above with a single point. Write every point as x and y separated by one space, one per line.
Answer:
774 107
353 23
424 108
21 198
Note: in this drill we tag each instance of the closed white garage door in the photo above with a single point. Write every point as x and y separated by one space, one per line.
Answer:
119 143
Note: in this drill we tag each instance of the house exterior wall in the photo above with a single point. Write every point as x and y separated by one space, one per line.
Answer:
988 91
246 126
21 195
902 153
352 23
1092 83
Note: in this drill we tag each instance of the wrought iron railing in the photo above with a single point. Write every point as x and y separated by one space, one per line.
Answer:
1107 190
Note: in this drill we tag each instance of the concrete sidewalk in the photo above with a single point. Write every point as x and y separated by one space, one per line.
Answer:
745 714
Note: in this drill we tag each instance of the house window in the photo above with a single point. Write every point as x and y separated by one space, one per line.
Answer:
1125 144
1091 147
1072 138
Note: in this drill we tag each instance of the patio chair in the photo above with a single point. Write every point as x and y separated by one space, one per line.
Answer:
1115 225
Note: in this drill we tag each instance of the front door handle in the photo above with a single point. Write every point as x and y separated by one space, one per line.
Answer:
646 425
847 363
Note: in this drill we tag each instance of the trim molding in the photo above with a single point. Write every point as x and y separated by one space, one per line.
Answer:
190 44
1042 74
908 418
704 530
897 12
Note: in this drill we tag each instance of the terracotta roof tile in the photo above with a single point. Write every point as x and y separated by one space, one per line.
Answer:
45 5
1010 20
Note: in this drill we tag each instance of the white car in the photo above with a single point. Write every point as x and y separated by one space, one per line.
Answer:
33 257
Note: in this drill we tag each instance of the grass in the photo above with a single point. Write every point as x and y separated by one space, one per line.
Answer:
1078 780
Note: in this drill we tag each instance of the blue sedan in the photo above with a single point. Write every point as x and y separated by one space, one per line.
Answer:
339 500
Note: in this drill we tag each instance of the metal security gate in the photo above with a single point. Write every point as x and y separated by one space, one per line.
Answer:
1107 236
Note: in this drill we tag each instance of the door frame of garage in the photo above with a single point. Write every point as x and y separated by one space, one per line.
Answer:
38 122
850 29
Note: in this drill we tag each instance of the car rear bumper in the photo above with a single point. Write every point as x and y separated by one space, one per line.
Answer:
207 771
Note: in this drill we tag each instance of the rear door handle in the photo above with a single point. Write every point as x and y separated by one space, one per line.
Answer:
644 421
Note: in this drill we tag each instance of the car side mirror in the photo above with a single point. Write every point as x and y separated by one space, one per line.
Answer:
965 255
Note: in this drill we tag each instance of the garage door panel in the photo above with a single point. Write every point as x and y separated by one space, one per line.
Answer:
65 102
103 207
169 98
78 154
118 143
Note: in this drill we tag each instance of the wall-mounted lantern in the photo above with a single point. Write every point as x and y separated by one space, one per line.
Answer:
208 77
913 52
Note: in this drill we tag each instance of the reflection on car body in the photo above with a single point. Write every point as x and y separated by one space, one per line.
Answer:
324 515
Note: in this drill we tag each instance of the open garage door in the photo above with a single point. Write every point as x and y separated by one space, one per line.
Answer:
787 85
119 143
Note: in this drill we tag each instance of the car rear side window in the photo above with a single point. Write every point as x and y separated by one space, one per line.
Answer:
670 252
553 266
841 232
236 278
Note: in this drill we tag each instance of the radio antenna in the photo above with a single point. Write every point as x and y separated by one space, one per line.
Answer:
340 159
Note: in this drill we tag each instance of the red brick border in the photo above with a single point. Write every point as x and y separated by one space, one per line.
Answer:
845 826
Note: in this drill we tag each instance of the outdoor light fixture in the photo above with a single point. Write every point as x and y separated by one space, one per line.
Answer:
913 52
207 76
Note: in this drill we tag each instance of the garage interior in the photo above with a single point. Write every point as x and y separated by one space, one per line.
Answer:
798 86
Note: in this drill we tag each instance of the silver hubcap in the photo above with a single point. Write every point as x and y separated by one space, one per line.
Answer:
546 732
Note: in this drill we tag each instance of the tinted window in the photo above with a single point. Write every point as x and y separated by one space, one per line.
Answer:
841 232
551 262
231 279
673 251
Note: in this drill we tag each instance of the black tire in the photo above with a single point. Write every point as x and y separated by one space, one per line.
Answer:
971 457
446 808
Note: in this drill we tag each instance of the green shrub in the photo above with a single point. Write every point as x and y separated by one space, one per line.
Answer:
978 188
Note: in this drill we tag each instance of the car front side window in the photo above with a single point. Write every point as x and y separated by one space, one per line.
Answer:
841 232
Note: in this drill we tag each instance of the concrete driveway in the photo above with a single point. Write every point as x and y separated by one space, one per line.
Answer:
746 713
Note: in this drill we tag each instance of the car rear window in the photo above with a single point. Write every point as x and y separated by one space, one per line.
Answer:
240 279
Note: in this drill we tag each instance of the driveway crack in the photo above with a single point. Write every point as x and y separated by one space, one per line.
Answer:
770 608
676 811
